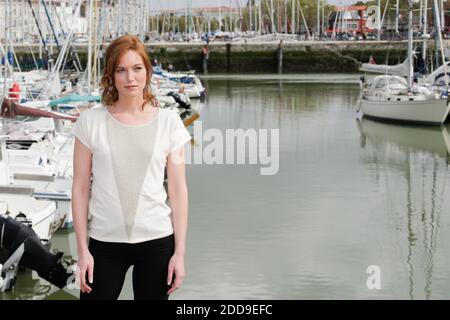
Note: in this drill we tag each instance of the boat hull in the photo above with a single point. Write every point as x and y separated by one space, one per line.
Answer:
432 112
38 214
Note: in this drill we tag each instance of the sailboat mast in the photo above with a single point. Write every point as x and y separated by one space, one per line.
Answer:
293 29
425 26
189 3
285 17
379 20
304 20
260 25
89 58
420 13
52 28
5 56
397 12
318 18
441 44
220 16
323 17
279 16
94 27
410 45
250 16
271 16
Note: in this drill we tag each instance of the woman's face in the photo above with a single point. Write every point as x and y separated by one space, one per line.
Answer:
130 75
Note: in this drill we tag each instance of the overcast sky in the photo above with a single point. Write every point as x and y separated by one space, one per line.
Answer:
174 4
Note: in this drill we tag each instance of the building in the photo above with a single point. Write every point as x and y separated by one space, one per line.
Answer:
112 19
350 19
17 17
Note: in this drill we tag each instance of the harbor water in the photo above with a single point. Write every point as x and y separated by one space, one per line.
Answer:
357 209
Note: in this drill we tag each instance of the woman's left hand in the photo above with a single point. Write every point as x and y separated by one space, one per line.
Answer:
176 272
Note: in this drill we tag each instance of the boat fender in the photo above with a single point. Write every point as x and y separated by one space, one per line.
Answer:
14 91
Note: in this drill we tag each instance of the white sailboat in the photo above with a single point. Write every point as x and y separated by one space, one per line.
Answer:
164 82
40 156
392 97
17 202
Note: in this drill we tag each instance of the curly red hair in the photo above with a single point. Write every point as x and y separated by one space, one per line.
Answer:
113 54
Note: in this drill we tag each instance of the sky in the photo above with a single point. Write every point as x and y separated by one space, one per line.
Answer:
175 4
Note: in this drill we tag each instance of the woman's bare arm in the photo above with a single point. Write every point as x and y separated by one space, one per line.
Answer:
178 197
82 171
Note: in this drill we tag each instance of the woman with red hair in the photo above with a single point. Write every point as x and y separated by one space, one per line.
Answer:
121 216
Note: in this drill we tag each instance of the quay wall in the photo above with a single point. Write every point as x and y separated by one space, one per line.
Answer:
262 57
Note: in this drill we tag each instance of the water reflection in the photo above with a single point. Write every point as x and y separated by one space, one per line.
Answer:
346 196
412 163
428 139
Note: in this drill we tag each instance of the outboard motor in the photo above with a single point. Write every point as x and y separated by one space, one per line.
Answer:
20 246
180 101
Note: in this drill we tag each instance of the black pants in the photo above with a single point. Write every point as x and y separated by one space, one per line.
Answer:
112 261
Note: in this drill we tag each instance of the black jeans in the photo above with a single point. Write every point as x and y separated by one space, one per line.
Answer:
112 261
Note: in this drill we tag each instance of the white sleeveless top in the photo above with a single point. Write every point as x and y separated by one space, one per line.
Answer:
128 200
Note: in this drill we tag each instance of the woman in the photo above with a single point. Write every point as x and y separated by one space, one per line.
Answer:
124 146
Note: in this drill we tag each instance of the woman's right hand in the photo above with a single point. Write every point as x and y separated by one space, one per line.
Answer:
85 265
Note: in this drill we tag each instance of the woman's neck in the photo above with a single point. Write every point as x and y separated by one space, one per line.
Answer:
129 104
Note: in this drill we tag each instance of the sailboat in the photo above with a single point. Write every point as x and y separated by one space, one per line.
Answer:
393 97
18 202
38 158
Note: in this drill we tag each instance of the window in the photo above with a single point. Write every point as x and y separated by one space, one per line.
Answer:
380 84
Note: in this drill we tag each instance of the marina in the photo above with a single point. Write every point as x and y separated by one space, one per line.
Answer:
317 144
349 193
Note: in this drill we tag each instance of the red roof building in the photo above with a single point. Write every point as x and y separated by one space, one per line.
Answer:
350 19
